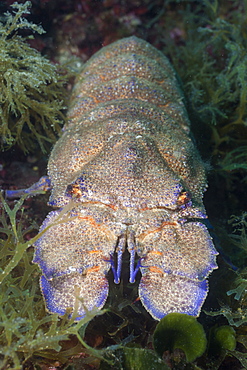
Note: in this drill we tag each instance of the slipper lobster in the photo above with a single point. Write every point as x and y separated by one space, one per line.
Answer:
128 164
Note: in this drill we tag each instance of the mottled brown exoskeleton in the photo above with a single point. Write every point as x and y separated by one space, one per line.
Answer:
128 166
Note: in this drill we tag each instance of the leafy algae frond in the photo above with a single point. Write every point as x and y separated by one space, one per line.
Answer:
31 89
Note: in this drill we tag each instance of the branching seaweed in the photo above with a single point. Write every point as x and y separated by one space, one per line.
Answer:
235 159
25 329
31 90
236 310
213 62
239 239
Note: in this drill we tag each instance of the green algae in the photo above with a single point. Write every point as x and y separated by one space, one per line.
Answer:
221 343
235 159
134 359
212 64
225 338
238 252
213 61
31 89
180 331
27 332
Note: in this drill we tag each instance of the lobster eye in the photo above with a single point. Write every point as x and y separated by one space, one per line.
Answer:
183 198
76 189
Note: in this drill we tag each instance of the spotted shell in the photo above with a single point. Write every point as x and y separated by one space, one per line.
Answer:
126 175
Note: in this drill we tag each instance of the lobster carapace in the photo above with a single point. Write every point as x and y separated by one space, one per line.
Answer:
129 170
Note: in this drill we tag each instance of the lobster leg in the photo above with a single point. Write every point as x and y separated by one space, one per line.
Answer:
132 250
43 185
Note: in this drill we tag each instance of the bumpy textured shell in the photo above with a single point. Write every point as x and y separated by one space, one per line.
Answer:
136 181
